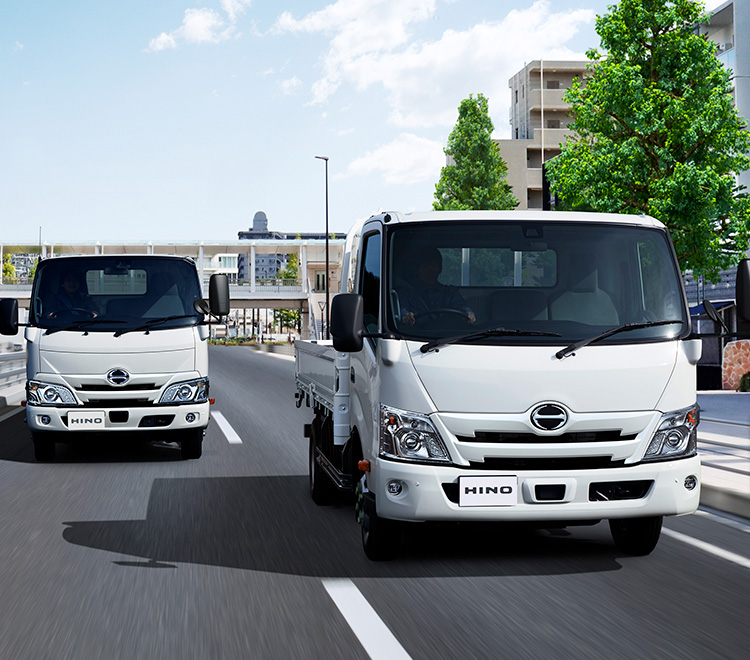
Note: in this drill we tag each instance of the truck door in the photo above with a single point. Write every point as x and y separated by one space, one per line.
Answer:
365 395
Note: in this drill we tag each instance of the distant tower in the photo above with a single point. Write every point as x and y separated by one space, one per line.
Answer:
260 223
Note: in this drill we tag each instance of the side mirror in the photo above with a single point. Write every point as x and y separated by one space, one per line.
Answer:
218 294
713 314
8 316
742 289
347 322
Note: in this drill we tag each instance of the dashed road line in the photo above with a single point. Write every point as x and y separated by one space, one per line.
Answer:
375 637
226 428
708 547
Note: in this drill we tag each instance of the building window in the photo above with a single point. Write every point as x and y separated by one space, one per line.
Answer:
516 96
553 123
553 84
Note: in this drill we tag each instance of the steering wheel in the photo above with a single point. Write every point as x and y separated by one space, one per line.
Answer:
443 311
74 312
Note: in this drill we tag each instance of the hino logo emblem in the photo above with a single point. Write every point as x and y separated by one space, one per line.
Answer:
549 417
118 376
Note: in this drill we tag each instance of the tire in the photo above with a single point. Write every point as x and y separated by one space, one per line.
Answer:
191 445
322 491
44 448
381 538
636 536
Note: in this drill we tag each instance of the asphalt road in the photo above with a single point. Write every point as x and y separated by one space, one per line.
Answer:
129 552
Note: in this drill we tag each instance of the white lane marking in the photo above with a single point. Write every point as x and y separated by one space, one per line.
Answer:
707 547
226 429
372 633
10 414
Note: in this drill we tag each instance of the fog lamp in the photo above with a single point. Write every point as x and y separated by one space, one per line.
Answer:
190 418
395 487
691 482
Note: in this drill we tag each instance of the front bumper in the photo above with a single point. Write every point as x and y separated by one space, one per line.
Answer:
138 419
424 495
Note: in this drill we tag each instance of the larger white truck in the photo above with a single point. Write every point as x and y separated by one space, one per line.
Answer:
117 348
560 389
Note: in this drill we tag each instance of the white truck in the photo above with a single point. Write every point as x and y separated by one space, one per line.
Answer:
556 386
117 348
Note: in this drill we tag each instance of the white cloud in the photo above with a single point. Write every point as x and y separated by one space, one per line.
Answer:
425 81
17 46
408 159
291 86
162 42
234 8
359 28
202 26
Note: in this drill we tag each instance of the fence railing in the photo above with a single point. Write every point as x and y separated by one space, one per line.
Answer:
729 455
12 369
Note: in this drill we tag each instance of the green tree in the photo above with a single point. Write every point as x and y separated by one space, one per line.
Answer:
291 319
656 132
475 177
291 270
9 270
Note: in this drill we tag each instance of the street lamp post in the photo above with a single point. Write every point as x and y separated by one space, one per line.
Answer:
328 315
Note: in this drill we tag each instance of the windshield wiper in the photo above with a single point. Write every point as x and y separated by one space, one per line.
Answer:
80 325
569 350
480 334
152 322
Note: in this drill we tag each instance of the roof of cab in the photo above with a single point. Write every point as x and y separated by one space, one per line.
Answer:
530 215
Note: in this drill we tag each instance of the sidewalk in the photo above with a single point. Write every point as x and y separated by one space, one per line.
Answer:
725 417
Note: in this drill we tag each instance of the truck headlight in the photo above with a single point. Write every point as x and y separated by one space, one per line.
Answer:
675 436
410 436
189 391
49 394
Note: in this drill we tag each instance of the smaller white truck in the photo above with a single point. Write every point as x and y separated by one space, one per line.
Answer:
517 366
117 348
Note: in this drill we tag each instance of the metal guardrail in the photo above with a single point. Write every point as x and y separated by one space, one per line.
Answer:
731 457
12 369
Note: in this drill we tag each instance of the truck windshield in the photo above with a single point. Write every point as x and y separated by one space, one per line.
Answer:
114 293
547 283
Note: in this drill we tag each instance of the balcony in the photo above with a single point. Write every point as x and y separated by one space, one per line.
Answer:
553 99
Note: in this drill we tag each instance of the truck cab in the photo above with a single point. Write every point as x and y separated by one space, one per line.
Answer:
515 366
117 348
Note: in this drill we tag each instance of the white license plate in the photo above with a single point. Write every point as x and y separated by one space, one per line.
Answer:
91 420
488 491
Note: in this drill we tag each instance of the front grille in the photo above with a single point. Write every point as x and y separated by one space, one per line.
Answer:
116 403
522 438
120 388
574 463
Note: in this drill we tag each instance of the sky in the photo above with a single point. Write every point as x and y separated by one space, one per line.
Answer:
179 119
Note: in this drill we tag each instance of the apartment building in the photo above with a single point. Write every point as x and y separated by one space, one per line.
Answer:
539 122
729 29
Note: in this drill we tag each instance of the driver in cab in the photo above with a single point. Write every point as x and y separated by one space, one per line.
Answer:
71 297
426 298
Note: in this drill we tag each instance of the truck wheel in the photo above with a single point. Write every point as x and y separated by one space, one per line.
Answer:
636 536
191 445
381 538
44 448
321 488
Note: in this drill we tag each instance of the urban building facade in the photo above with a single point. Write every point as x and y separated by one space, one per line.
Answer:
539 120
268 265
